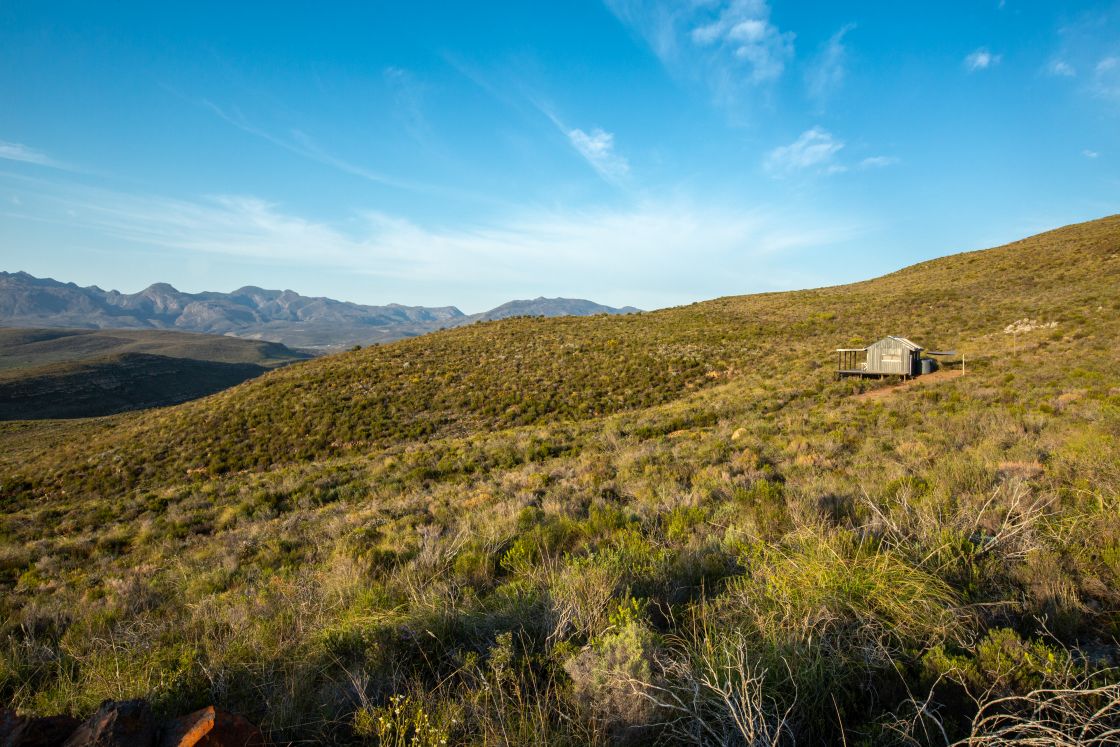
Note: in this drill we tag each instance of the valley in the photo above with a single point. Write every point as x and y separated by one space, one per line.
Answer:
667 527
68 373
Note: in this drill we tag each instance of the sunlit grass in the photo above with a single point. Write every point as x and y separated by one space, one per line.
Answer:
559 531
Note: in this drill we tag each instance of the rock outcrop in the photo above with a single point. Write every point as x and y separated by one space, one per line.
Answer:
211 727
130 723
127 723
48 731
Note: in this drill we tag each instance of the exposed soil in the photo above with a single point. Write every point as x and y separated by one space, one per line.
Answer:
931 378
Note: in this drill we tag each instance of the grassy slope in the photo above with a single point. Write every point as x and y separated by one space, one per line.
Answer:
115 383
392 513
33 348
52 373
530 371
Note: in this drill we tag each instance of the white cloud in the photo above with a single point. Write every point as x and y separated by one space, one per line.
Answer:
1061 69
1106 78
827 72
981 59
877 162
742 28
597 147
1090 153
815 147
730 46
1088 54
650 253
24 154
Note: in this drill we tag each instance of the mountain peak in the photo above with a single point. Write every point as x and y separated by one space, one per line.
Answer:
160 288
250 311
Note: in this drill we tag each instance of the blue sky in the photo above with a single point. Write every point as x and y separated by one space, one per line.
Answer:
637 152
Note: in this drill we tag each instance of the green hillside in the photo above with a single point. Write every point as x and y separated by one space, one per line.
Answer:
667 527
67 373
32 348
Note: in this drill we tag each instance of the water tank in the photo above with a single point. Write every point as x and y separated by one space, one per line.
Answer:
928 365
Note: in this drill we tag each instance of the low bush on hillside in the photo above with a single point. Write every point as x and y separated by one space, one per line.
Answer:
684 532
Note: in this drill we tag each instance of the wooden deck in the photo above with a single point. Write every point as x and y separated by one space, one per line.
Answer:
844 372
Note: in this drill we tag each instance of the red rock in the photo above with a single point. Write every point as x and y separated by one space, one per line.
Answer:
21 731
127 723
211 727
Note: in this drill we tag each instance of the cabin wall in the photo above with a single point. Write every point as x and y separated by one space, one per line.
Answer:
888 359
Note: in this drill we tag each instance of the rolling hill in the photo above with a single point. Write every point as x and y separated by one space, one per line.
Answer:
59 373
672 527
255 313
542 306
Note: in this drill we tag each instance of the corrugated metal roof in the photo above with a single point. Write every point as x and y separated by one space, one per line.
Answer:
906 343
902 340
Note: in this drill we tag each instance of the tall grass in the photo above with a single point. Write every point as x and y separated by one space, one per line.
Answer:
636 552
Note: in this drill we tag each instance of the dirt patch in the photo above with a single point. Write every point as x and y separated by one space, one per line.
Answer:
931 378
1025 470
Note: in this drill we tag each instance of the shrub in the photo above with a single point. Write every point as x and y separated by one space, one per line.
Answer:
1002 664
610 674
581 596
836 613
402 722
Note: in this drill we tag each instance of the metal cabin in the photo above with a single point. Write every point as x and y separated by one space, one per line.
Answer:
891 356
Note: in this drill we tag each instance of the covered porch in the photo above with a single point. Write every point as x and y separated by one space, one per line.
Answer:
851 362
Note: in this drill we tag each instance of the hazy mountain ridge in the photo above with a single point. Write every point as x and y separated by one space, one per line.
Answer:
542 306
250 312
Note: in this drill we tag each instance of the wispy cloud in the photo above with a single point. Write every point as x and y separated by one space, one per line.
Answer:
732 46
1061 69
827 71
981 59
408 102
25 154
1090 153
303 145
1087 53
597 147
742 29
877 162
644 254
814 148
1105 83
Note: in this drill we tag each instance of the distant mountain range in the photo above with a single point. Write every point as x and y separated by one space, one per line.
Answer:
253 313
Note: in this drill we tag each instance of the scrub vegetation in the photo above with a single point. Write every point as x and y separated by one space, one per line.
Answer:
72 373
672 527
